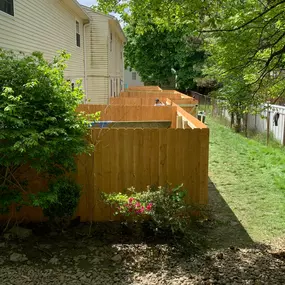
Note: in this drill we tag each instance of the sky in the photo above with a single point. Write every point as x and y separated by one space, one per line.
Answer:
87 2
93 2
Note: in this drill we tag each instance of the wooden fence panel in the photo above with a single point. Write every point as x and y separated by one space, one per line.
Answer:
132 113
136 157
133 101
127 157
188 104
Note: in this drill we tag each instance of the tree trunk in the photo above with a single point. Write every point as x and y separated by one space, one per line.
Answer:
245 117
238 124
232 119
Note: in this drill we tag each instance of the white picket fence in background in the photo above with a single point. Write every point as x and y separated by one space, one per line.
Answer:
258 122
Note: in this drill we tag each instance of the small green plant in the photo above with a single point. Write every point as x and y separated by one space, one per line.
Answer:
165 206
59 203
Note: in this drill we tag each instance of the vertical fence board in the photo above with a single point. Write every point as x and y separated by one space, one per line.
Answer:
138 143
154 157
163 158
204 162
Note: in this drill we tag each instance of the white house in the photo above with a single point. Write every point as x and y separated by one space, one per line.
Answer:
132 78
105 56
52 25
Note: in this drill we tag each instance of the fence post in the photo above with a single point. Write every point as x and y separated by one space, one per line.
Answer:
268 126
284 130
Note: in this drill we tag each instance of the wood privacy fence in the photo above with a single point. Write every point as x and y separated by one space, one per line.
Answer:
132 113
133 157
152 94
133 101
148 99
142 157
136 157
146 88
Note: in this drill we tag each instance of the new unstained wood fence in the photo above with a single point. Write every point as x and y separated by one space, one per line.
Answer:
146 88
136 157
142 157
132 113
140 97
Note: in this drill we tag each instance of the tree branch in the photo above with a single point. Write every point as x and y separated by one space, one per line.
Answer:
274 54
246 23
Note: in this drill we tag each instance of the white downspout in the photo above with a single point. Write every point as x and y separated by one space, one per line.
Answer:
85 62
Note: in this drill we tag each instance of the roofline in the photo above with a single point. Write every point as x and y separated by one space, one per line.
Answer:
76 7
116 21
112 18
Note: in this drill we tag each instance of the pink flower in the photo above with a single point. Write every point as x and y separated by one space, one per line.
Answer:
138 205
149 207
140 211
131 199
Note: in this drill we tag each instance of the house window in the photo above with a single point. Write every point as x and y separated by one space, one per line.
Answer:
7 6
111 41
72 85
77 34
134 76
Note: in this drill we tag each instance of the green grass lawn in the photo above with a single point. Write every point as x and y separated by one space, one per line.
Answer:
251 178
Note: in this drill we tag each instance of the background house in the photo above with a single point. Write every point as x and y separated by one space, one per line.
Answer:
95 41
105 57
132 78
46 26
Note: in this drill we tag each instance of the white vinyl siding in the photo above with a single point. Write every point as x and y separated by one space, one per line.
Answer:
116 59
129 78
46 26
97 58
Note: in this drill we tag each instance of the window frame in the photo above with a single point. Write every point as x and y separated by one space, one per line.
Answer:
134 75
9 2
111 41
78 37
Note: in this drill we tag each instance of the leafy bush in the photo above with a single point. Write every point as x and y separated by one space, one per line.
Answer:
39 125
59 203
165 206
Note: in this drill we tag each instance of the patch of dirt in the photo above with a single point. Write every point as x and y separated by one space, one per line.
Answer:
105 255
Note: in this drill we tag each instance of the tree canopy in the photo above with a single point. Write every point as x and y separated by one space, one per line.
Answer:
244 38
158 53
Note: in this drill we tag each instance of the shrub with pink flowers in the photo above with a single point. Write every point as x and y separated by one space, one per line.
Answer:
165 207
134 207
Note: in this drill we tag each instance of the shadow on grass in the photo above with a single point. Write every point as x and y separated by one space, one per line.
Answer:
223 230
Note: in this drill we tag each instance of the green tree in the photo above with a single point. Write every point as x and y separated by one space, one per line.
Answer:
39 125
155 53
245 40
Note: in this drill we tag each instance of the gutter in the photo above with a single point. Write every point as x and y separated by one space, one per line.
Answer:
85 62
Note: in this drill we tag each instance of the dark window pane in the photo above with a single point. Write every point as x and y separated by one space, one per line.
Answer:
77 28
7 6
78 40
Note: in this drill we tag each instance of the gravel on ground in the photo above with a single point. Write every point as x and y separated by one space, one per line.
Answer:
65 259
